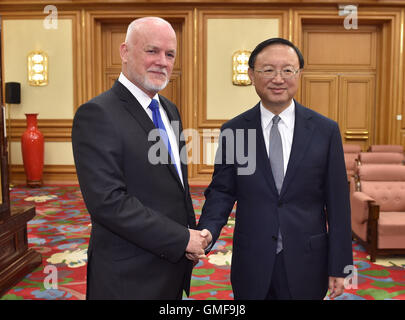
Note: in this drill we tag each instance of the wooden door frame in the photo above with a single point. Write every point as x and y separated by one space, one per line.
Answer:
92 41
388 75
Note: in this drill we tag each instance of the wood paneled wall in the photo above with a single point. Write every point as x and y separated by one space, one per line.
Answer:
363 89
339 78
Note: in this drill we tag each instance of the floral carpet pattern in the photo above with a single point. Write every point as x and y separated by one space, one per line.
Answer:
60 231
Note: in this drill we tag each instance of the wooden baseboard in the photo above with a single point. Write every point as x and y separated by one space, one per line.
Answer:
52 174
66 174
198 182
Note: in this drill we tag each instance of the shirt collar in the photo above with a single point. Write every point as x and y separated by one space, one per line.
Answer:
287 116
139 95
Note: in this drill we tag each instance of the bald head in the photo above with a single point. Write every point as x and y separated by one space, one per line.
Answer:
148 53
146 23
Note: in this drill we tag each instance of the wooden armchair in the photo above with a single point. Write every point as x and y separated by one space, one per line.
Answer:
367 158
378 209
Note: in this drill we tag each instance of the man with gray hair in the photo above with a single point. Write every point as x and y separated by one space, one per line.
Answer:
141 212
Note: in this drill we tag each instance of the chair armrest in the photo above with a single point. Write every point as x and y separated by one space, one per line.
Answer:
361 203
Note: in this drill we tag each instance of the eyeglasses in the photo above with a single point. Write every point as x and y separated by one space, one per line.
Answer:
285 73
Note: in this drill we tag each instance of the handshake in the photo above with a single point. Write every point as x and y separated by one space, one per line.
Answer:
199 240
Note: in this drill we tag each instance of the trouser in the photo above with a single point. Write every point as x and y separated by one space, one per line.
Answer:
279 285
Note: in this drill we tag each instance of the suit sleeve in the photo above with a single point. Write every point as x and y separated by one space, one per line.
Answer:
220 196
338 209
97 150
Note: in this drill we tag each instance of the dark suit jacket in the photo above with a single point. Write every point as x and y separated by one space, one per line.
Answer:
312 211
140 212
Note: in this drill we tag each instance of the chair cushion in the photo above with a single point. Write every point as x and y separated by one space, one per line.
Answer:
359 205
350 161
391 230
351 148
386 148
385 184
389 195
380 158
382 172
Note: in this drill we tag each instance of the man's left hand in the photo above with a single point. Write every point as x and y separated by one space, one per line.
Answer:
336 287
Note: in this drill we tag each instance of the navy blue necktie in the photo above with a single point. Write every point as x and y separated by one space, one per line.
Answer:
157 120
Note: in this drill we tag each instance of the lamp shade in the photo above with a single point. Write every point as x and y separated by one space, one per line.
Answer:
13 92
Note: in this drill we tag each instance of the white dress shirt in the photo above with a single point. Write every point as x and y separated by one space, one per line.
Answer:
145 101
285 127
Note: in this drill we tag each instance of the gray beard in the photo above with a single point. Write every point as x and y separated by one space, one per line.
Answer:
147 85
151 87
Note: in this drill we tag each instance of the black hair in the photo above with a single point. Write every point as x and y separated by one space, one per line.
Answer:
272 41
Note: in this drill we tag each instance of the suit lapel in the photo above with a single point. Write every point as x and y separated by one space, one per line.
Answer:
133 107
303 130
262 158
138 112
171 115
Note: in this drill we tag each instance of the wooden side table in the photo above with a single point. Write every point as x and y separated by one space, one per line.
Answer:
16 259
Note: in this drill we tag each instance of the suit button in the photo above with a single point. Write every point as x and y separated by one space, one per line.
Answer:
162 256
280 204
274 238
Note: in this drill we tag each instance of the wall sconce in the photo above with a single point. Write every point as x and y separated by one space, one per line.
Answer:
37 68
240 68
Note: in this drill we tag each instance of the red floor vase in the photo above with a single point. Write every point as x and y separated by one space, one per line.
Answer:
32 146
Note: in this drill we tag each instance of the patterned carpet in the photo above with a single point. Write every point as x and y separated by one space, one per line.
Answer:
60 232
